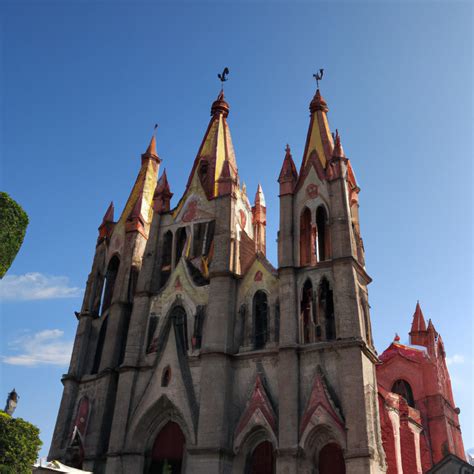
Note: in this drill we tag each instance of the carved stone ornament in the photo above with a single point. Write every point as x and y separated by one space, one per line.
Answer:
312 190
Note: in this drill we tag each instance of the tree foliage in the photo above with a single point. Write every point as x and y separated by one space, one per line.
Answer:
13 223
19 445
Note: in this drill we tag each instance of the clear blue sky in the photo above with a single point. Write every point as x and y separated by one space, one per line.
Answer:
83 83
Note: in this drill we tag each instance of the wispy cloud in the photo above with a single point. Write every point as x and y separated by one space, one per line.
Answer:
455 359
46 347
36 286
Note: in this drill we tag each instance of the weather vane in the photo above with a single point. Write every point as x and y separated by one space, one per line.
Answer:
223 77
318 76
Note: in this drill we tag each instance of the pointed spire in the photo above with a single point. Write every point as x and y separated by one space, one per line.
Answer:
338 151
319 141
163 194
288 174
418 323
151 150
107 225
259 221
215 164
259 196
109 214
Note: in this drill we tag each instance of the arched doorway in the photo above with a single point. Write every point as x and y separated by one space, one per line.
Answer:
168 450
331 460
262 460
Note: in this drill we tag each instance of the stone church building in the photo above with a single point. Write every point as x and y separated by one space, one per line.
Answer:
193 354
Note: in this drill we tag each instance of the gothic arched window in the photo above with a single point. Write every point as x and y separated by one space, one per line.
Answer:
109 285
326 308
402 388
322 240
308 332
260 319
306 249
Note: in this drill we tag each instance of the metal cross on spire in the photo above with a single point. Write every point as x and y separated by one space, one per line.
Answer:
318 76
223 77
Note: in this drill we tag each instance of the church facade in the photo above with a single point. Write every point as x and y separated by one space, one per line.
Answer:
193 354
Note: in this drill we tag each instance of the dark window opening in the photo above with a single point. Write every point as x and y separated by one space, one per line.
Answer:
168 450
180 242
166 257
198 324
321 243
178 317
326 305
110 278
209 240
262 459
402 388
305 237
260 311
166 376
100 346
307 315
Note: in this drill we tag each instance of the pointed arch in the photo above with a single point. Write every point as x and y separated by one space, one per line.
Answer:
306 247
403 388
145 428
260 319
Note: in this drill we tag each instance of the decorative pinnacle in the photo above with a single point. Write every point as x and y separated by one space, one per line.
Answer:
338 150
288 149
396 338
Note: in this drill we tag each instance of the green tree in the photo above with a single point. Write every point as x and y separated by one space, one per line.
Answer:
13 224
19 445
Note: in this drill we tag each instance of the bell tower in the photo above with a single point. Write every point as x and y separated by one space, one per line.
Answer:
324 281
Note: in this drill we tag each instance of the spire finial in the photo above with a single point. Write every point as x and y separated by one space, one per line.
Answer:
396 338
318 76
223 77
151 150
287 149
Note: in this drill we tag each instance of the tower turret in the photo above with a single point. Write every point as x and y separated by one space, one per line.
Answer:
418 333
